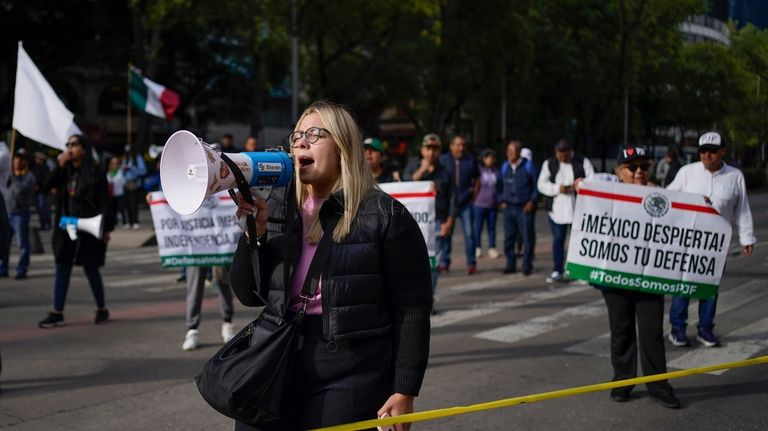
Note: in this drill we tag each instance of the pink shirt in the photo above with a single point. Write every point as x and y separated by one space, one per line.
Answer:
315 305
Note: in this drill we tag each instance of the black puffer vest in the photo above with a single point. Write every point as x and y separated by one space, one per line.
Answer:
373 278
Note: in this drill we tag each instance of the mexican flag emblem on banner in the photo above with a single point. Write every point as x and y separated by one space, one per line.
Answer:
151 97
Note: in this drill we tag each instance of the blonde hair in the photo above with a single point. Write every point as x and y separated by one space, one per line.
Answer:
355 180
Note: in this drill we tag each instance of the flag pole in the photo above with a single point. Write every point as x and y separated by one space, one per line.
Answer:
13 141
128 128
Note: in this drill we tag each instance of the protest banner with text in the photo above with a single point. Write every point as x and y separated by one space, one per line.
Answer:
647 239
207 237
419 198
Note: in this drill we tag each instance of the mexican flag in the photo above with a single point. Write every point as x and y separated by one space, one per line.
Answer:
151 97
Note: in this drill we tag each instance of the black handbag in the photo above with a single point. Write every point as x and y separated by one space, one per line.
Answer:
247 378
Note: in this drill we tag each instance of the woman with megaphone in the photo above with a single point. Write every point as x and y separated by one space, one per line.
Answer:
366 329
82 192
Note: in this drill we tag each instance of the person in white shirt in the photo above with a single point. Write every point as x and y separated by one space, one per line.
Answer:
558 177
723 187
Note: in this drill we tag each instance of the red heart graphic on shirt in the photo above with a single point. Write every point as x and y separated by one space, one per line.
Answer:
630 151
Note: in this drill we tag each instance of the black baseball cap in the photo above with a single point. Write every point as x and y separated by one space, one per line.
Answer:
630 153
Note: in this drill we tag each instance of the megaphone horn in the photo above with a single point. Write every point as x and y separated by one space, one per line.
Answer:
92 225
190 170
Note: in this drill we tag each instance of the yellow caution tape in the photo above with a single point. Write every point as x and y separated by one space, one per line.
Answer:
460 410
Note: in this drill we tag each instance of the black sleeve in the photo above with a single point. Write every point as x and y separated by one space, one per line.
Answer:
409 285
241 275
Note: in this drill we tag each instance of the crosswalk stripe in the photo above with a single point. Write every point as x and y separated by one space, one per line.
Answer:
740 344
478 285
449 317
543 324
728 300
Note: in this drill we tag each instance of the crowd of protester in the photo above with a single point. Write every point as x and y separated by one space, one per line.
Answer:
470 190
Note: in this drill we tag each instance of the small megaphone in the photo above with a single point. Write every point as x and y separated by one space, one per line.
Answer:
154 151
190 170
91 225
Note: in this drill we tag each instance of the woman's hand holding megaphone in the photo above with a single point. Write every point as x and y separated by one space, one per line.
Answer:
258 210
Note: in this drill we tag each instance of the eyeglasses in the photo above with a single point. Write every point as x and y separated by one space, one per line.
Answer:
311 135
642 166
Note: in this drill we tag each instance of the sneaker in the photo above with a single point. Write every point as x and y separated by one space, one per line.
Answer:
707 338
555 277
3 275
478 252
181 279
191 340
135 226
471 269
678 338
20 276
492 253
53 319
527 272
443 268
227 331
102 316
508 270
666 398
126 226
620 395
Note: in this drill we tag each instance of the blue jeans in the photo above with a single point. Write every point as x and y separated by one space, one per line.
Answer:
678 312
559 232
439 252
20 228
63 272
465 215
517 221
488 216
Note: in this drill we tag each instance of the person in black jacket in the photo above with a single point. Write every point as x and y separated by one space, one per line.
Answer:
366 331
82 192
428 168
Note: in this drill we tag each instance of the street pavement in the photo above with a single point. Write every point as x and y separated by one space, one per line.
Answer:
496 336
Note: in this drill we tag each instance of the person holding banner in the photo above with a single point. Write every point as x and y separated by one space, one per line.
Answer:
82 192
195 277
430 169
366 331
637 316
723 187
557 180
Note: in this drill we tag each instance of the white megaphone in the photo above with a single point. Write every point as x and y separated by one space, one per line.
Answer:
190 170
91 225
154 151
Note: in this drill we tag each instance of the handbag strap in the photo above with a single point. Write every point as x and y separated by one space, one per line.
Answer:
318 262
245 192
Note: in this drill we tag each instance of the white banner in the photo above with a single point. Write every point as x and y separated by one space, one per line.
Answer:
419 198
38 113
647 239
207 237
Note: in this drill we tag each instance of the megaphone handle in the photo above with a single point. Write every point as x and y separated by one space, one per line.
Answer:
245 191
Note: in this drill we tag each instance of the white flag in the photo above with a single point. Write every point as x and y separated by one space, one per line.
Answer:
38 113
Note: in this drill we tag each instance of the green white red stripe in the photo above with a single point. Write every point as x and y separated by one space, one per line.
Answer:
151 97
